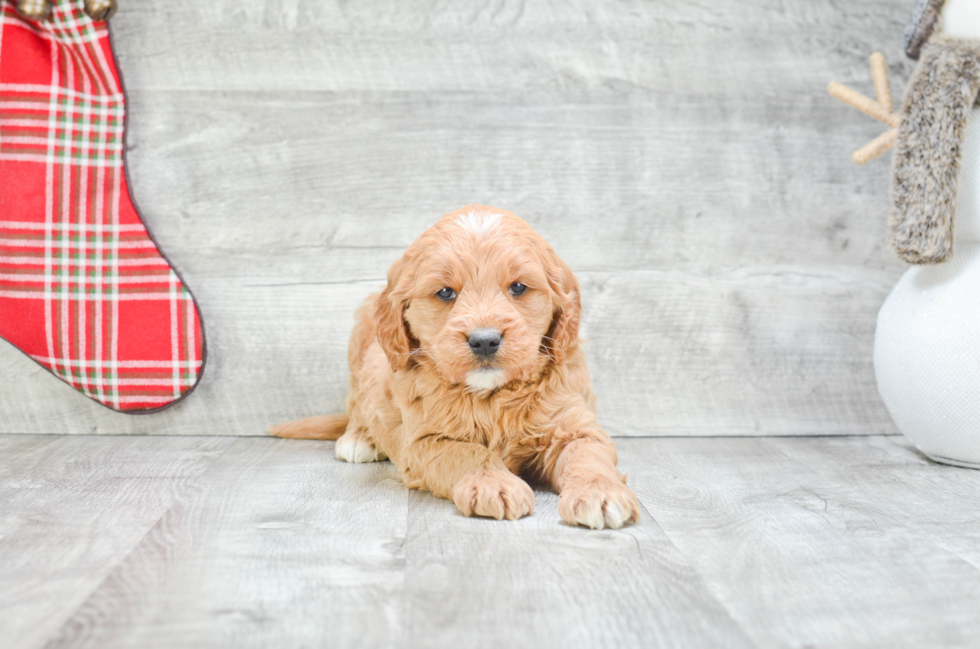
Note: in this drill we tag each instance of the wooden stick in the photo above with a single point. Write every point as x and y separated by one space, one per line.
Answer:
864 104
875 147
879 72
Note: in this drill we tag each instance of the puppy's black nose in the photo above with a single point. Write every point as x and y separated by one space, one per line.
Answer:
485 342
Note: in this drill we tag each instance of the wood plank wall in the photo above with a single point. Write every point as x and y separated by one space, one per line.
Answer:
683 157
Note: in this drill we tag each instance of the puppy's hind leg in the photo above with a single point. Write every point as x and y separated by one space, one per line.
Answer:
353 442
356 446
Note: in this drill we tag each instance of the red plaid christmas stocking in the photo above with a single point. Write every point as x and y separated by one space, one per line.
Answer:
84 291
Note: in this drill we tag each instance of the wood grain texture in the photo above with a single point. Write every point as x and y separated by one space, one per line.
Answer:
683 158
117 541
71 509
279 544
858 543
541 583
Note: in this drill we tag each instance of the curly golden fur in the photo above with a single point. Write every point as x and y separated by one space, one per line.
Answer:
466 426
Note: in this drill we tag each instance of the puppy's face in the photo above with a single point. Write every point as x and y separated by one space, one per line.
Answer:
482 299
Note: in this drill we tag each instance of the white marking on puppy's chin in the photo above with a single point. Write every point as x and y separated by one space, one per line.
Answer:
485 379
479 223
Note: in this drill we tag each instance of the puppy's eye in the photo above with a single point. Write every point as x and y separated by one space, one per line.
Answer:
517 289
446 294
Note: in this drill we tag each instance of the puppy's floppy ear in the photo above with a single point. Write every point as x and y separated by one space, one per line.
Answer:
389 311
563 332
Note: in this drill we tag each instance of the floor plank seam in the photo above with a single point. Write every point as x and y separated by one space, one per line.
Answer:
58 634
701 577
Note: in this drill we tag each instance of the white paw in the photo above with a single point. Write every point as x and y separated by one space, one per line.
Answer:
355 448
598 504
614 516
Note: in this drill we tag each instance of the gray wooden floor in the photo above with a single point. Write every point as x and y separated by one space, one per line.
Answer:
240 542
683 157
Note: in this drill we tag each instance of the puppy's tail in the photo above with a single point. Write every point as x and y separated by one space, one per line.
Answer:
322 427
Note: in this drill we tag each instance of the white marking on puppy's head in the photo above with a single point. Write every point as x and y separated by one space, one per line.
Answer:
478 223
485 379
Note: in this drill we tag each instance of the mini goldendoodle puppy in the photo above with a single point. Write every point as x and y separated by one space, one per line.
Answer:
466 371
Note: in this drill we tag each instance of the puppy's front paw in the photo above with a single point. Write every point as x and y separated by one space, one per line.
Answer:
495 494
599 502
354 447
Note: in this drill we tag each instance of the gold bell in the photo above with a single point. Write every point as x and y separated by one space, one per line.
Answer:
99 9
34 9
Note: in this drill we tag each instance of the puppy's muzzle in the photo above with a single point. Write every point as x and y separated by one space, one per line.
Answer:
485 342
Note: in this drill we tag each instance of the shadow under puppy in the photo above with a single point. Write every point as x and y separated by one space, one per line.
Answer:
466 371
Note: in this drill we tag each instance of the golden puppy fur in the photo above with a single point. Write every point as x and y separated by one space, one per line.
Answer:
465 426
